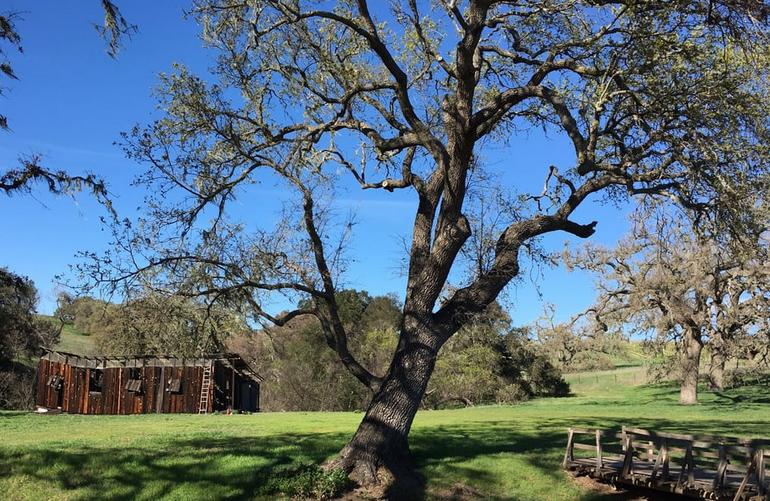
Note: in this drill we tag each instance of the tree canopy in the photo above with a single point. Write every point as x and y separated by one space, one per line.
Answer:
30 170
658 100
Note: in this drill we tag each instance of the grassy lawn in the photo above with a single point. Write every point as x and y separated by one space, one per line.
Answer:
501 452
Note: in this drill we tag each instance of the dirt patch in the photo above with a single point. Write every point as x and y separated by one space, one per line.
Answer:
605 492
601 491
457 492
362 494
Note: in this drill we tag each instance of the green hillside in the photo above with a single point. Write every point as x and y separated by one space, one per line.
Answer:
72 340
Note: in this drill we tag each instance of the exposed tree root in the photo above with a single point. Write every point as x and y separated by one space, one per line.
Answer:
391 478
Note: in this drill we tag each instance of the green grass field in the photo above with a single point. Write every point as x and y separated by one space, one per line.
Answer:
498 452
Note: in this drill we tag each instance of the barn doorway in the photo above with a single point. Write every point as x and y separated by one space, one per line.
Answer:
248 396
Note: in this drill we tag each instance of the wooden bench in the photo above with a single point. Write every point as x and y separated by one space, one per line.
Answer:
698 466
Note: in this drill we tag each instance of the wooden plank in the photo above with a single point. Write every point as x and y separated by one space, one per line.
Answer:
598 449
187 384
161 390
108 390
117 391
67 388
585 431
760 468
83 379
40 388
192 390
628 460
79 391
660 460
119 403
173 396
744 483
568 454
179 397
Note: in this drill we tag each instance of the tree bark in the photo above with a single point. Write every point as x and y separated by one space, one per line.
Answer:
691 352
717 370
378 453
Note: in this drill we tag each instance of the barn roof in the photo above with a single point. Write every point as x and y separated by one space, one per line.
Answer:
232 360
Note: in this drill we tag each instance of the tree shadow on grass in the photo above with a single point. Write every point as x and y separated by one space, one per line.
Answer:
241 467
741 397
211 468
12 414
230 467
735 399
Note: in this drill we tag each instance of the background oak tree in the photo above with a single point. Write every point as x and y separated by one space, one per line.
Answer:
677 285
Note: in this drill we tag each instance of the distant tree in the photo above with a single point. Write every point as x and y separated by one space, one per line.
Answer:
658 99
151 324
575 345
490 361
22 333
157 324
22 337
303 375
85 313
681 285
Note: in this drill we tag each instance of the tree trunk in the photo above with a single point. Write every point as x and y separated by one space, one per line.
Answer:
378 454
691 351
717 370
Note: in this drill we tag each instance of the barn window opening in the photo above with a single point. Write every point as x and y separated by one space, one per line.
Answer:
95 380
175 385
134 383
55 382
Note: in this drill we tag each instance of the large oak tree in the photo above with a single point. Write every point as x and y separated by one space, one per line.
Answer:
655 98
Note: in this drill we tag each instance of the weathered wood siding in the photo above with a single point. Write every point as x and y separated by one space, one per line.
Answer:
74 395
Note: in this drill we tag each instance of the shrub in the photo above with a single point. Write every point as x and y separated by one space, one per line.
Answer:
331 484
745 376
546 379
17 388
511 394
307 480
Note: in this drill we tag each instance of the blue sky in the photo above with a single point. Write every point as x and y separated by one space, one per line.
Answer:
72 101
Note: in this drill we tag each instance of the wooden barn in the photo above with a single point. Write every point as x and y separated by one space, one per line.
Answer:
148 384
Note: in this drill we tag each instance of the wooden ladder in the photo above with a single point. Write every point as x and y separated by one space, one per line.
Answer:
205 390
